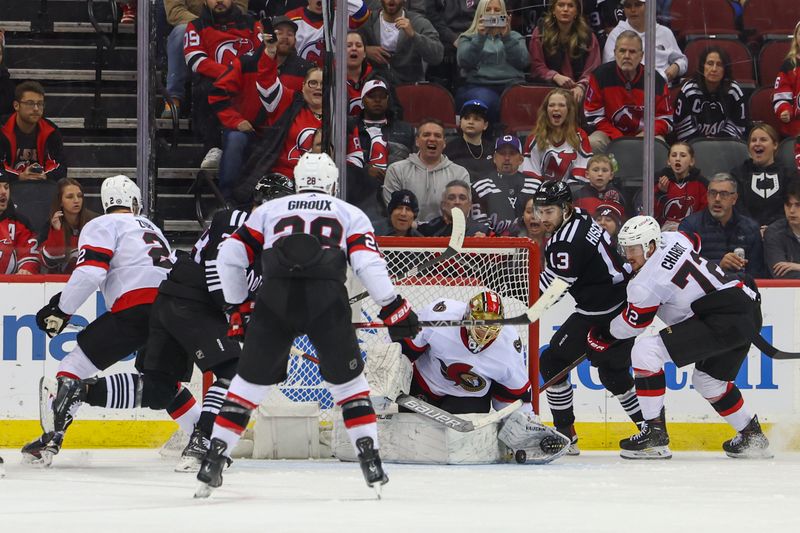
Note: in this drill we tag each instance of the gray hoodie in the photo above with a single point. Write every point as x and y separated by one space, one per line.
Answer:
427 184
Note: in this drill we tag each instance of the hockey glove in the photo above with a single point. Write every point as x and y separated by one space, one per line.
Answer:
599 339
51 319
238 318
401 320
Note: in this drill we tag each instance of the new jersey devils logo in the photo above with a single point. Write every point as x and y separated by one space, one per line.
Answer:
462 376
227 50
556 165
303 144
676 209
378 153
313 52
628 119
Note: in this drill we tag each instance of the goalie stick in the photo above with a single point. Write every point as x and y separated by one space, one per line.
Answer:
436 414
534 312
453 248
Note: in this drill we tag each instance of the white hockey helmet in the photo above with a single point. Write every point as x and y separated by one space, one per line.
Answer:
316 172
120 191
640 230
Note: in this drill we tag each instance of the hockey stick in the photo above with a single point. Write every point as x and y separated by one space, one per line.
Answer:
453 248
534 312
762 344
558 377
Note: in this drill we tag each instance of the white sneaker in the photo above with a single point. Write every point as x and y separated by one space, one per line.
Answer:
211 160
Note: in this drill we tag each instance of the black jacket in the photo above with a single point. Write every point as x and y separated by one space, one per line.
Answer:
761 190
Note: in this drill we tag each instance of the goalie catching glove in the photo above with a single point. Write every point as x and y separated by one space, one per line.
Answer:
238 318
51 319
530 441
401 320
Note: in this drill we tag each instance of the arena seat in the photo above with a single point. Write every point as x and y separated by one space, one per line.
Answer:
770 59
760 108
770 19
713 155
703 17
426 100
741 58
519 105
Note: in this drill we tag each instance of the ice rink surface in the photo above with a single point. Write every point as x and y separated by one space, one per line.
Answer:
136 491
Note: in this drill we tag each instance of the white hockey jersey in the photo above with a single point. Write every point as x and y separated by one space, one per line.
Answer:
557 163
334 222
126 256
310 35
667 285
449 365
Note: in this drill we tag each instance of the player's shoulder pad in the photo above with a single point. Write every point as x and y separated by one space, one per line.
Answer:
443 308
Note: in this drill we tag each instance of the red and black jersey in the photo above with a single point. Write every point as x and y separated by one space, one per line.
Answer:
18 246
58 255
787 96
615 105
49 149
234 97
354 90
682 198
209 47
310 37
292 71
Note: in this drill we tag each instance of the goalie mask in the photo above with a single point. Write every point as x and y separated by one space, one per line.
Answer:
486 305
120 191
316 172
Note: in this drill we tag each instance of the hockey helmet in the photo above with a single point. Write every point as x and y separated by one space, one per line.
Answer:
552 193
120 191
640 230
485 305
271 186
316 172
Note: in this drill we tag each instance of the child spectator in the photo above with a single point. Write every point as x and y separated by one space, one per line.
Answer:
530 225
470 149
59 239
609 217
681 188
557 150
599 190
786 98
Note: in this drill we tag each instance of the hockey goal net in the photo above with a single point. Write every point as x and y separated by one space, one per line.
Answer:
509 266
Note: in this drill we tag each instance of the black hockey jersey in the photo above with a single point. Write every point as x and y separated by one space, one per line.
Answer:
500 200
580 252
702 114
195 276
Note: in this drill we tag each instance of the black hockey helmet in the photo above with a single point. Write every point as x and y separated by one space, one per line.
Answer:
272 186
553 193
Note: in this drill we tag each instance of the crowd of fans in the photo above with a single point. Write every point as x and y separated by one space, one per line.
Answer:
253 70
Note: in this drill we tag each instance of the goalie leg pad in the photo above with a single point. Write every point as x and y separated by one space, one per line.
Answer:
388 371
530 441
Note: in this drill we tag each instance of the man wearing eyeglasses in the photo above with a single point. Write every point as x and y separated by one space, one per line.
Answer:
724 231
30 145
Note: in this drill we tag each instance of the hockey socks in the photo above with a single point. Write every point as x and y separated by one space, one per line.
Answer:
357 411
117 391
241 399
184 410
212 403
630 402
730 406
650 389
559 397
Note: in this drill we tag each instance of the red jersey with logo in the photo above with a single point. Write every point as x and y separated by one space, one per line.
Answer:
310 34
354 91
234 97
615 105
18 247
787 97
563 162
681 200
58 255
208 48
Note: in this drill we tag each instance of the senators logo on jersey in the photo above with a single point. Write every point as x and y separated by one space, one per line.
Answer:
461 374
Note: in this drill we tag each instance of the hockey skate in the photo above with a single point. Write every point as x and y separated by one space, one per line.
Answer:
2 468
749 443
569 431
371 465
652 441
194 452
40 452
210 473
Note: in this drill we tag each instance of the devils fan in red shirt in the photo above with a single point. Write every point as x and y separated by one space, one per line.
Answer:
614 104
18 253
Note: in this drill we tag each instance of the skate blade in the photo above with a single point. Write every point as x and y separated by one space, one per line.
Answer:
752 454
655 453
43 461
188 464
203 490
2 468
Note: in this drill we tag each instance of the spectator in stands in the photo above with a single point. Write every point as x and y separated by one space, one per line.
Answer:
600 189
614 105
500 196
7 85
18 254
425 173
30 145
782 238
358 70
786 98
310 33
762 181
456 195
530 225
58 241
469 148
208 51
403 210
563 48
681 189
291 67
557 149
671 62
274 8
491 57
711 103
179 13
383 138
400 43
723 229
449 18
609 217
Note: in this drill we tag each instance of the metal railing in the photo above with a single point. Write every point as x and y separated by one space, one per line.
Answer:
98 118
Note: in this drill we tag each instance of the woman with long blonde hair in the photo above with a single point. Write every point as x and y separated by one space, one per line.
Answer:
563 48
68 216
786 98
557 149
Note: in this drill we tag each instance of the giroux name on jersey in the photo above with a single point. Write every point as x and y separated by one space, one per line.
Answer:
316 205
